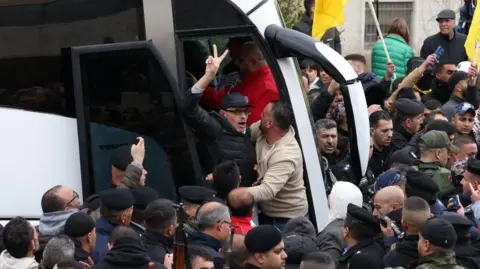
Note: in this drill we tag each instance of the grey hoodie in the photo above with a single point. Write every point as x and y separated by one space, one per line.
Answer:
52 224
7 261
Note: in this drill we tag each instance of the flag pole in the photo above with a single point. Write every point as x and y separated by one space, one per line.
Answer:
377 24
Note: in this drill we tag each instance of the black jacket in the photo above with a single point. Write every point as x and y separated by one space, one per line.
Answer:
157 245
404 253
466 254
331 36
206 242
80 254
126 253
379 161
454 49
400 137
369 247
221 140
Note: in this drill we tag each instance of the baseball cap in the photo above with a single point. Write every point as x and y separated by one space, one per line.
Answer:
235 99
437 140
463 108
446 14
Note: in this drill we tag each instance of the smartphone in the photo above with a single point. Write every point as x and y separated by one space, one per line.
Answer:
456 202
439 53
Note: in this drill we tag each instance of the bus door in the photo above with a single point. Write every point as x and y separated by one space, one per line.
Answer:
123 91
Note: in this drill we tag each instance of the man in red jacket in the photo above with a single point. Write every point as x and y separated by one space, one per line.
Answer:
257 82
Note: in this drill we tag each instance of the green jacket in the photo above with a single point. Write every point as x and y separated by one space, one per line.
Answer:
438 260
440 175
400 52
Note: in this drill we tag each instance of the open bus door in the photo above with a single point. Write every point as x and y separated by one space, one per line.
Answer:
133 77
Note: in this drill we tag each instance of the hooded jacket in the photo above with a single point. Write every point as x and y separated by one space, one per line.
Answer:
368 79
7 261
126 253
299 239
330 239
404 253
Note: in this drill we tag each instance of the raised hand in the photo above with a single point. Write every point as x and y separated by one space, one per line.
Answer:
213 62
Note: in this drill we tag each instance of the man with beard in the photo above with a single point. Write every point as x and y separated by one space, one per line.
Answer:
265 246
435 150
439 85
381 131
360 230
408 120
21 242
464 90
447 38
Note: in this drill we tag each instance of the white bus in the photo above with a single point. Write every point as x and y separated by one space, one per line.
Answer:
82 77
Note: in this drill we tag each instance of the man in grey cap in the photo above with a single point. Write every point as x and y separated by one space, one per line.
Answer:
435 150
408 119
451 42
223 134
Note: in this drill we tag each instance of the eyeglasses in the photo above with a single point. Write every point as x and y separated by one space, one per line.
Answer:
75 196
239 112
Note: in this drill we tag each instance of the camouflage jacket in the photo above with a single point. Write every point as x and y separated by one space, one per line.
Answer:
438 260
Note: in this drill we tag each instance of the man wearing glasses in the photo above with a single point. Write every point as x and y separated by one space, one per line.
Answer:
222 135
58 203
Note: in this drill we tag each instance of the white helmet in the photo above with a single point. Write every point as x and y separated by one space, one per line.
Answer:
463 66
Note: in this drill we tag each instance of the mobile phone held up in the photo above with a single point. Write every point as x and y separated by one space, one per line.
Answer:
439 53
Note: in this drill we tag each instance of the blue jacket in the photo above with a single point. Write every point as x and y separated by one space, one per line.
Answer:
103 231
368 80
400 52
206 242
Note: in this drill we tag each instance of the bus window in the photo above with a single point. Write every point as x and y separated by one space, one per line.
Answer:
32 36
127 94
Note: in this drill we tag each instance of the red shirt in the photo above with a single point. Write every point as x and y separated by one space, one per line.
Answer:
259 87
242 224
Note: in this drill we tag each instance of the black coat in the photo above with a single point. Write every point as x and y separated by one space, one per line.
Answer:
454 50
467 255
369 247
126 253
157 245
206 242
221 140
379 161
400 137
80 254
404 253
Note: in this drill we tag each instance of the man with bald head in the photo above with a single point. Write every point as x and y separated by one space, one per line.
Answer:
213 220
388 200
257 82
58 203
416 211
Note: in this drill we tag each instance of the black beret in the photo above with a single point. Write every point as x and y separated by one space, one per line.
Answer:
409 107
196 194
78 224
143 196
362 216
455 78
121 157
473 166
421 185
262 238
117 199
439 232
460 223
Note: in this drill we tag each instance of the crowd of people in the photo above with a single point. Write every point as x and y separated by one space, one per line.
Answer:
418 206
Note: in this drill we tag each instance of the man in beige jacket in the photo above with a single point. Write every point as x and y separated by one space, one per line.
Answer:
280 193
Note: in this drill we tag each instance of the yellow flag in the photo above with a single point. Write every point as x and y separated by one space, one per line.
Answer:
473 35
328 14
